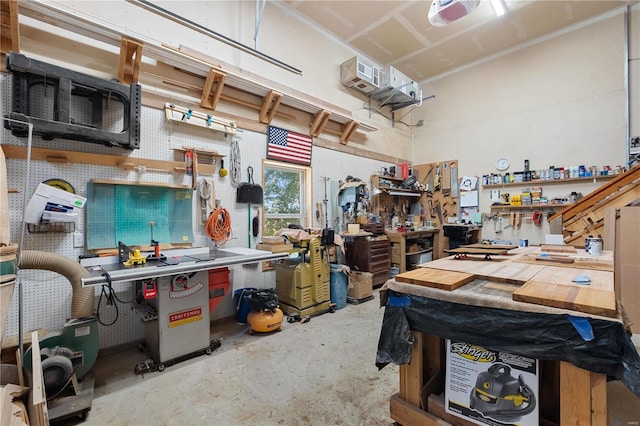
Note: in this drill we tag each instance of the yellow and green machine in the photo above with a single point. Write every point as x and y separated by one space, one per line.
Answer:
302 283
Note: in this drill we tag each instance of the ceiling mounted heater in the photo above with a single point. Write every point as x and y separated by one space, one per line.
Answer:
443 12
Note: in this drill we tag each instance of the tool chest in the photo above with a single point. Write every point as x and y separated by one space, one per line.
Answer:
370 256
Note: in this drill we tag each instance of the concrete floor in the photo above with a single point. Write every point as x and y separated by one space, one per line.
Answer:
319 373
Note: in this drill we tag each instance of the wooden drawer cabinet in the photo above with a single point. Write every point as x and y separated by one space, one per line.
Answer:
395 253
402 246
372 256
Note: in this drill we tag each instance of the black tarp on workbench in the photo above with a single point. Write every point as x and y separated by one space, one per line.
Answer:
535 335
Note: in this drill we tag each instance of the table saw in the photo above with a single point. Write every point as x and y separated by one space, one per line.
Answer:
173 297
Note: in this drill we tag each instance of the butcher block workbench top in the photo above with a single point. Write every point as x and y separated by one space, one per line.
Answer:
545 283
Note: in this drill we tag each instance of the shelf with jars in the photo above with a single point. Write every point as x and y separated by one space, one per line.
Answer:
589 179
551 176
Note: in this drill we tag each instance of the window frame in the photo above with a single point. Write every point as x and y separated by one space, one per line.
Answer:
306 189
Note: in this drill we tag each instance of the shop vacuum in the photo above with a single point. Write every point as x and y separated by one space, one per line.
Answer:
501 396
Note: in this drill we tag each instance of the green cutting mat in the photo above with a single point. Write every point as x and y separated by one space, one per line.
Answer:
120 212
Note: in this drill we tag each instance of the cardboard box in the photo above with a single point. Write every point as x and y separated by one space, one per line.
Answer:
483 386
627 264
360 285
48 194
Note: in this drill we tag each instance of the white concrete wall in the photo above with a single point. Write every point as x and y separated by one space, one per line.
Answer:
560 102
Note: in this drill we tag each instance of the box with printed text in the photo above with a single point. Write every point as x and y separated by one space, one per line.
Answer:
488 387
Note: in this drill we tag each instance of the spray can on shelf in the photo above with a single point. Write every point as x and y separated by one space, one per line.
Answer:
188 159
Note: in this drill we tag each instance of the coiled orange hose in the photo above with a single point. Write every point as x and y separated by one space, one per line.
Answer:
218 225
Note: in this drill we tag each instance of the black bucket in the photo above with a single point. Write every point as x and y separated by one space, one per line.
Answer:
241 302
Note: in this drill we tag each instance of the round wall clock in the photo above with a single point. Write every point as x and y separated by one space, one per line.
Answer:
502 163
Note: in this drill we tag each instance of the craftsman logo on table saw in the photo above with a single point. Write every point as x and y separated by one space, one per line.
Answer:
185 317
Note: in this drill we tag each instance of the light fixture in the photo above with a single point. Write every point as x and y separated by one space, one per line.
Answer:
443 12
498 8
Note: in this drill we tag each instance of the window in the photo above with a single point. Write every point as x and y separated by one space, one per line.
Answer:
285 196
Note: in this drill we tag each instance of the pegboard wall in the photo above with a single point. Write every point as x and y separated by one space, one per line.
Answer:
47 295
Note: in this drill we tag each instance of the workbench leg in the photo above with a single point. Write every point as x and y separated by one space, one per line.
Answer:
406 407
583 396
411 375
403 254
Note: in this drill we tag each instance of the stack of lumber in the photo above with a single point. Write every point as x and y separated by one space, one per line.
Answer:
586 217
435 278
38 412
554 248
274 245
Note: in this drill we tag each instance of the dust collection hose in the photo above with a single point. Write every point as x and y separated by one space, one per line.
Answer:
82 299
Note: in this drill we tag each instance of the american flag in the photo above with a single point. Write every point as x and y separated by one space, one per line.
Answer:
291 147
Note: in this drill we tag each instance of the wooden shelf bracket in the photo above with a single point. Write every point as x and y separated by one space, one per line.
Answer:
212 91
130 60
10 38
270 106
319 121
348 129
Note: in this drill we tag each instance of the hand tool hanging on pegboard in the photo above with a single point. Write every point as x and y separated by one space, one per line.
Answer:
194 176
537 217
235 163
255 225
223 172
455 187
191 166
207 195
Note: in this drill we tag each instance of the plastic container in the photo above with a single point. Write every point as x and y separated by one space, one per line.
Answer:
338 281
241 302
218 286
393 271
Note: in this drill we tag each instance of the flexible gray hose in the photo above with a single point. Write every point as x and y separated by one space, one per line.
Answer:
82 298
236 163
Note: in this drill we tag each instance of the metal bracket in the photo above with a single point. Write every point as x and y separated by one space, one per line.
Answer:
73 93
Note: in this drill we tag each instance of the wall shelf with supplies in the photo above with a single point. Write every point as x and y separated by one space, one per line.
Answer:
589 179
393 188
122 162
530 207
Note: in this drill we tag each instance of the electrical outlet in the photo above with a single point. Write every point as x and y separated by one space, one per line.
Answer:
78 239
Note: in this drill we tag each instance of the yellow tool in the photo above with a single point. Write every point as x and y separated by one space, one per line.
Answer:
136 258
130 257
223 172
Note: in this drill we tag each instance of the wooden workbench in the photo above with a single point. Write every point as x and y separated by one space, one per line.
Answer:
573 395
401 240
